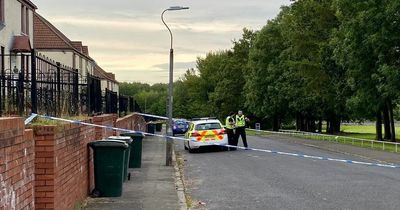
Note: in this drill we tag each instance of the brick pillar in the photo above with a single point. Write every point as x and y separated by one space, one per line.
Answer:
107 120
44 166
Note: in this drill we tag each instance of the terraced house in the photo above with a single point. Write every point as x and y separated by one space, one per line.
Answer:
53 44
16 34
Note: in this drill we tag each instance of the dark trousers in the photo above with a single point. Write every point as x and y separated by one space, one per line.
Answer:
241 131
231 138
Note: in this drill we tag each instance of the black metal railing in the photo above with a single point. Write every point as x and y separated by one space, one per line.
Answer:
111 99
94 96
32 83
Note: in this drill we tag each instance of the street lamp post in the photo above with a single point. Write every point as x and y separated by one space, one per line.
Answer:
169 140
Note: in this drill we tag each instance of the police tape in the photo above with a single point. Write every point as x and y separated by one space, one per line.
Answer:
151 115
216 144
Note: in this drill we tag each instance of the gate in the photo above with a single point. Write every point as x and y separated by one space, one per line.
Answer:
94 96
111 99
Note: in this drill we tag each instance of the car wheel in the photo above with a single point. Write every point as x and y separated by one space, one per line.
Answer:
223 148
191 150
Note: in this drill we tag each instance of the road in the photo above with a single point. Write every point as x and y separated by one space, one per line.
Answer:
256 180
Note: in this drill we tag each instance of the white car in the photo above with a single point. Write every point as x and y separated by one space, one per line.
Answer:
205 132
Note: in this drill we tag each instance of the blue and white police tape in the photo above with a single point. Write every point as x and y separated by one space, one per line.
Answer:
30 118
150 115
230 146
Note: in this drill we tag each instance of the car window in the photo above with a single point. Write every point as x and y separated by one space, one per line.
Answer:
208 126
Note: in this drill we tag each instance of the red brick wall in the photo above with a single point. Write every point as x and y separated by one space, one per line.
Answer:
107 120
139 123
131 122
44 166
51 167
64 168
16 165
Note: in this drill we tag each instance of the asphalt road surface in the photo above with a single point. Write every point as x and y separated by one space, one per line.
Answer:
256 180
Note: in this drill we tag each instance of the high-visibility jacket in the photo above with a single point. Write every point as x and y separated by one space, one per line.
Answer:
228 124
240 121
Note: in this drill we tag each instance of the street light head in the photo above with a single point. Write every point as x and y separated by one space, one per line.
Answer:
177 8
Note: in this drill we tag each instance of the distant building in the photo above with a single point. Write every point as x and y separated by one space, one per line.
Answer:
16 34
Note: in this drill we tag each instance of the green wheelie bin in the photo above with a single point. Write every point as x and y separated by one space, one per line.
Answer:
128 140
109 157
151 127
159 127
136 149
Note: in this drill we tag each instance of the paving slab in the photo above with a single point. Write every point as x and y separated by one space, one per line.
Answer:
150 187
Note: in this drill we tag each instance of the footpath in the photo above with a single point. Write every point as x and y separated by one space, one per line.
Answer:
151 187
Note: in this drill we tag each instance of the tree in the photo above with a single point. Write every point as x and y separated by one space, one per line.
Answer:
152 98
265 80
368 46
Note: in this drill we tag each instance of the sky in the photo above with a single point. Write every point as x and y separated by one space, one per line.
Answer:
127 37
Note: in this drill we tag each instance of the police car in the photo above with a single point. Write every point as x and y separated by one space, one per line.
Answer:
204 132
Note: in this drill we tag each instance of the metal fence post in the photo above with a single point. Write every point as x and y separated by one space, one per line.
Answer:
58 103
75 97
33 82
20 93
1 79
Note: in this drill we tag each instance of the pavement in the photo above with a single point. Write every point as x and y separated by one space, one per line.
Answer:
245 179
151 187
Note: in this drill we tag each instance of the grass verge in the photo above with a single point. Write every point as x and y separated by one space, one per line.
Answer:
377 145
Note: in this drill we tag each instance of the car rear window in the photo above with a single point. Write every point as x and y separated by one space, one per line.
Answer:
208 126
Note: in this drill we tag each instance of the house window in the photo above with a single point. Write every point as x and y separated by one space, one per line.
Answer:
2 20
80 64
74 61
24 19
2 59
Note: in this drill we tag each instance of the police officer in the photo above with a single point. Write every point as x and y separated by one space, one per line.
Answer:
229 128
241 128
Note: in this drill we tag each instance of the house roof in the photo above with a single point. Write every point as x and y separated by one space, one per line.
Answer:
85 50
21 44
47 36
77 45
99 72
29 3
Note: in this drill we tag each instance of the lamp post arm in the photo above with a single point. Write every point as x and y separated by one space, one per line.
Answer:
170 33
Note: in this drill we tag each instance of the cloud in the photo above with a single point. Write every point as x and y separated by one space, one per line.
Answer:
177 65
128 38
147 24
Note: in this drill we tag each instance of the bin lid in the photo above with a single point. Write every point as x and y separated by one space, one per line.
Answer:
138 134
126 139
108 143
